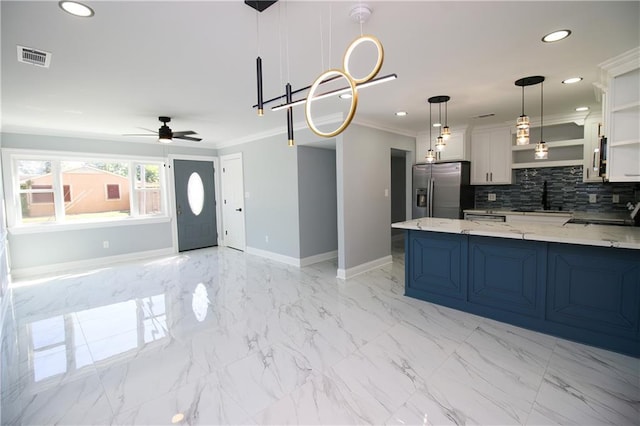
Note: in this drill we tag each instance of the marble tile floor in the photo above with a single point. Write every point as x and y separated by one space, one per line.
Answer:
216 336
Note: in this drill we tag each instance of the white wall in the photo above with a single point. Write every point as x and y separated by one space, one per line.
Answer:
364 212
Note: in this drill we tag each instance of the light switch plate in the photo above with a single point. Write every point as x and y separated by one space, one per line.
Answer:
592 198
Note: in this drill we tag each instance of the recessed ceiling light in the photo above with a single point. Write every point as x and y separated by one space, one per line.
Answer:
572 80
346 96
76 9
437 124
556 36
401 113
580 109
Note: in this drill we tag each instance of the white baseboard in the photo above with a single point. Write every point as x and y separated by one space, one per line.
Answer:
344 274
293 261
88 263
310 260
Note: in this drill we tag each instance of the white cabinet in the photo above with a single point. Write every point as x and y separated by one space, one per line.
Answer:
457 148
622 75
491 156
593 128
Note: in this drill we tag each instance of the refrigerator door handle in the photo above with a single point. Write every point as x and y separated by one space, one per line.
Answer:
431 188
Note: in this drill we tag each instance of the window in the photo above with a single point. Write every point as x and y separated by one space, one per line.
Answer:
47 197
103 189
113 191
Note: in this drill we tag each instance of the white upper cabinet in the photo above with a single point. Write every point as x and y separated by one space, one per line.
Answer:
457 148
491 156
621 76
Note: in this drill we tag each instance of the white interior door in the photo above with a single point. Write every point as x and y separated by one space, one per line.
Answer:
232 201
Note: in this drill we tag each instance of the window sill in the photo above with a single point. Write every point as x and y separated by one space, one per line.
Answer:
72 226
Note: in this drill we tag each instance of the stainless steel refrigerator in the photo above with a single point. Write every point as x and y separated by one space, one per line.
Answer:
442 190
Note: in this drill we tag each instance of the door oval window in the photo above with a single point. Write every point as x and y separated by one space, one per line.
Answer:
195 193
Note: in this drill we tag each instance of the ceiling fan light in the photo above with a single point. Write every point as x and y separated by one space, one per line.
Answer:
165 140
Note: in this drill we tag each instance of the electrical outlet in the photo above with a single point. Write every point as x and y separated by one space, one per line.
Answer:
592 198
105 244
266 238
491 197
615 198
386 192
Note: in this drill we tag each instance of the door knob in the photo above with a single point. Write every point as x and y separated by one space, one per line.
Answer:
239 210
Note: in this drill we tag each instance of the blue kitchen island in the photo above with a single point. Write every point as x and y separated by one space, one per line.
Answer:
580 282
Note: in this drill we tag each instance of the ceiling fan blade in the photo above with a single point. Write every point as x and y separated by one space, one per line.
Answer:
187 138
184 133
141 134
149 130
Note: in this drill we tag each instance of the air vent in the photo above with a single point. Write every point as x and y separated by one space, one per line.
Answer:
484 115
29 55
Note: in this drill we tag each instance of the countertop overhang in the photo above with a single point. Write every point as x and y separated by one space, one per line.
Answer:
593 235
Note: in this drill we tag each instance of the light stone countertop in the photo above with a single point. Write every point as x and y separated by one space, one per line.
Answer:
591 235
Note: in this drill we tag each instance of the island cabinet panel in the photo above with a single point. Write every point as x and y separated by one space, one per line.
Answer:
508 275
438 266
595 289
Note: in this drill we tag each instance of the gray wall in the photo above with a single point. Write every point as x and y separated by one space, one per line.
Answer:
364 213
271 178
398 191
31 250
47 248
317 196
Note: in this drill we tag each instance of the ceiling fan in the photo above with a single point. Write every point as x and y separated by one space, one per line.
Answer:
166 135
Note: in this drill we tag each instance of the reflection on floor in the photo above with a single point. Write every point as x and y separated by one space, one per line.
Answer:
217 336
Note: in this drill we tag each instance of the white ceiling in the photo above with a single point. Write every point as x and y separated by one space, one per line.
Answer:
195 61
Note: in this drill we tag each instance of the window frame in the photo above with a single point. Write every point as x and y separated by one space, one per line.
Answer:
15 222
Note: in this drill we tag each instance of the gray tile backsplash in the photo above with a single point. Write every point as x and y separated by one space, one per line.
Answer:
566 191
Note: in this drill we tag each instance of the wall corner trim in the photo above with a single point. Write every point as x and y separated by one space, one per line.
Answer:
347 273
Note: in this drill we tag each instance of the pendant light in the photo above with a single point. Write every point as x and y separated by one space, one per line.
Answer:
522 126
446 131
431 155
541 151
523 123
440 141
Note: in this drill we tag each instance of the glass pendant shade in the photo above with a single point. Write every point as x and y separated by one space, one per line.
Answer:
541 151
440 143
523 122
446 133
522 137
431 156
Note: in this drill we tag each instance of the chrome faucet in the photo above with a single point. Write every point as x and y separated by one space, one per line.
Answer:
545 196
